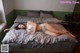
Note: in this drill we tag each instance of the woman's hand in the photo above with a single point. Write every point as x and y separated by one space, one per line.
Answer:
65 31
6 30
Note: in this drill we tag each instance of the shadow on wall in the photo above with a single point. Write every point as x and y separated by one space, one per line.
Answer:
1 18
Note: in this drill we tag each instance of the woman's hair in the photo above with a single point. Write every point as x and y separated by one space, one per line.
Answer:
18 27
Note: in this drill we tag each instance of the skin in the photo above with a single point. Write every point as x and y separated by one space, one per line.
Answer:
52 31
21 26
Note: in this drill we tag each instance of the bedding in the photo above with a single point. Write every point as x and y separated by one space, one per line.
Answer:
33 14
45 15
14 25
21 40
23 19
47 12
23 37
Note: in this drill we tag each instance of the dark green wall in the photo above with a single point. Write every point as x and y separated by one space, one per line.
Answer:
20 12
61 14
10 18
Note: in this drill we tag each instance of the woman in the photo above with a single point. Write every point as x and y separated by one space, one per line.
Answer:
30 27
48 29
45 27
19 26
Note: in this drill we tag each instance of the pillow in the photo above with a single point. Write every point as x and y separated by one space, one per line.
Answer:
33 14
21 19
46 15
31 27
47 12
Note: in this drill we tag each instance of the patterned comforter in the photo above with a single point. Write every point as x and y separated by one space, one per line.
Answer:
22 37
23 19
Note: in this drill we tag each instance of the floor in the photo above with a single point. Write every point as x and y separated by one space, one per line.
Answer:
75 30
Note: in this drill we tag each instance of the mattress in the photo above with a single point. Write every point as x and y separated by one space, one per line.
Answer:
34 46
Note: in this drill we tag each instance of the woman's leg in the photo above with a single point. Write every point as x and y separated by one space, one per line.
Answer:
52 29
51 33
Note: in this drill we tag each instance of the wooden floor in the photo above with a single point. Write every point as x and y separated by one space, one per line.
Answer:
75 30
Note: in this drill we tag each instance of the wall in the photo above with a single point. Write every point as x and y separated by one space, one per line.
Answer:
21 5
9 11
3 18
8 6
76 14
2 11
43 5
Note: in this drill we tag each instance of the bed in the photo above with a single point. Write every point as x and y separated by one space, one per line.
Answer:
21 41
